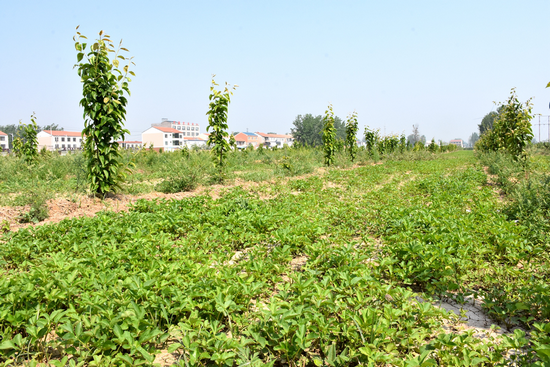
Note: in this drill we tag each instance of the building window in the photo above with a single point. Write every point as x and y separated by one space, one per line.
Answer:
165 143
63 146
74 139
56 139
62 139
166 136
2 138
56 146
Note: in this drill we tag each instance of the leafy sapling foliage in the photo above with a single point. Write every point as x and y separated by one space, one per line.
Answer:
329 136
351 135
372 138
26 144
511 131
104 103
217 123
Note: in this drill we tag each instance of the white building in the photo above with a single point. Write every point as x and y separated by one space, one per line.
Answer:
187 129
59 140
4 141
276 140
457 142
130 144
159 137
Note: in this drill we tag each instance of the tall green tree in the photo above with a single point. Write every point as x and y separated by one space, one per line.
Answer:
104 104
329 136
217 123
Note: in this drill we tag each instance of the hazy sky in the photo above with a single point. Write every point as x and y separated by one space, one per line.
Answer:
439 64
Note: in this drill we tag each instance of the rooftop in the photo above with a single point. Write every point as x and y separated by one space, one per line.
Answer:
63 133
167 129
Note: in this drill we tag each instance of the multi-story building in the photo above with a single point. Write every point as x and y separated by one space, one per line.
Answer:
4 141
186 129
457 142
245 139
59 140
276 140
161 137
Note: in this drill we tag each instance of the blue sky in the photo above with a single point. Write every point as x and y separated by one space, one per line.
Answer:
438 64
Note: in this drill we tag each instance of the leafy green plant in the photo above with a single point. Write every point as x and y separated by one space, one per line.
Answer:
512 131
217 123
4 226
104 104
26 145
329 136
351 135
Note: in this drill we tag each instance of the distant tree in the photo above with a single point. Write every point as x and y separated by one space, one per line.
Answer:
308 128
487 122
415 136
423 139
340 127
473 138
54 127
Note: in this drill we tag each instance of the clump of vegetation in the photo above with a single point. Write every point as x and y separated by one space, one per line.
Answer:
511 131
4 226
38 210
187 181
104 104
26 145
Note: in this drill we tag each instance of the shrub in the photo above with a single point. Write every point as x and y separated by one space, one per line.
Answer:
38 211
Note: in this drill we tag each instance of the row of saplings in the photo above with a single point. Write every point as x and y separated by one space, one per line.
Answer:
104 101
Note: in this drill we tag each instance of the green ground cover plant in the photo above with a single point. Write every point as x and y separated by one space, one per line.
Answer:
336 268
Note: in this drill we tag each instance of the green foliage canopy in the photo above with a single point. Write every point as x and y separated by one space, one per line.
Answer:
307 129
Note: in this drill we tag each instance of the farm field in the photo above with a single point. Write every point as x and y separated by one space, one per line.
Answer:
287 265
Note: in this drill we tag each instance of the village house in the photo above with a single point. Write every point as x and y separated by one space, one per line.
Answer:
59 140
4 141
457 142
245 139
160 137
276 140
